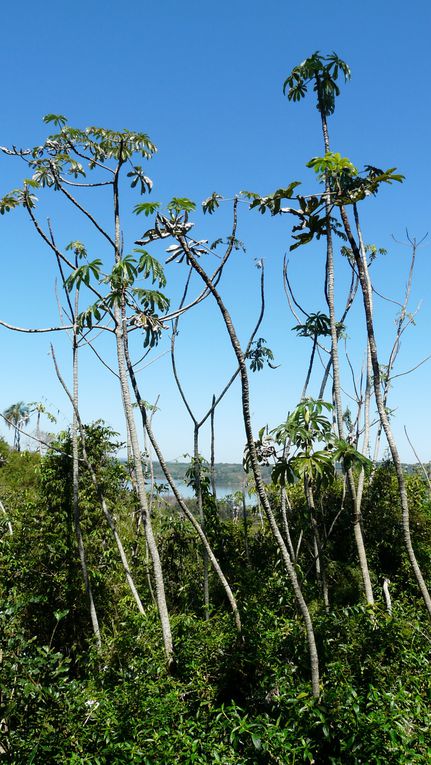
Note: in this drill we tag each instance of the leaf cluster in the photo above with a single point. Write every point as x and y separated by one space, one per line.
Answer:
322 72
259 354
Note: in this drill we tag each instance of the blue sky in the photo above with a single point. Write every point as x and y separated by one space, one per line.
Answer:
205 82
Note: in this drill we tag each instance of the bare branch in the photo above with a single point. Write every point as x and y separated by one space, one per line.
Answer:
425 472
87 214
35 331
401 374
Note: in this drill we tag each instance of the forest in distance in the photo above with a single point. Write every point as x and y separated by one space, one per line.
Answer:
136 630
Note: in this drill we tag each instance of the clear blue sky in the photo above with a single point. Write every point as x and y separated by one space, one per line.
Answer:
205 81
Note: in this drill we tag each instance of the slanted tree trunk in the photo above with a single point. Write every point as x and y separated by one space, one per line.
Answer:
260 487
162 462
310 368
361 266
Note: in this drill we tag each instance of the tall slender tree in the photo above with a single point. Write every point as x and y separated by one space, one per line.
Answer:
16 417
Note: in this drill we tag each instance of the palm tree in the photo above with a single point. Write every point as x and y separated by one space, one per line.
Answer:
16 416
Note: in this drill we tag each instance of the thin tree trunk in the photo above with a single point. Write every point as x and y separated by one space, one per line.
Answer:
319 562
245 526
8 523
212 457
260 487
121 339
38 433
197 471
75 483
196 525
336 386
310 367
387 596
365 287
99 494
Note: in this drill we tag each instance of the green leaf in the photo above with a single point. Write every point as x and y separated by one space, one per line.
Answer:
58 119
149 266
179 204
148 208
257 741
138 176
82 274
78 248
151 299
210 204
59 615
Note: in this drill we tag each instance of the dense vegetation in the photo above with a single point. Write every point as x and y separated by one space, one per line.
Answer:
230 699
139 631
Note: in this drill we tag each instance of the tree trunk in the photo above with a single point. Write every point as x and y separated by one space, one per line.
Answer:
100 495
260 487
318 556
196 525
336 386
142 497
365 287
197 470
212 458
75 483
310 367
121 339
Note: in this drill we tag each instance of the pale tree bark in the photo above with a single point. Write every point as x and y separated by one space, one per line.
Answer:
318 555
75 482
369 377
367 300
387 596
183 506
285 506
336 388
120 337
99 493
245 527
8 523
212 448
254 462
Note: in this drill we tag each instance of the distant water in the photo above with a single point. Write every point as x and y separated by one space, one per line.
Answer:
222 491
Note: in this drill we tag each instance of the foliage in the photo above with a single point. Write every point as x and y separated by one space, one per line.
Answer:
258 354
234 699
322 72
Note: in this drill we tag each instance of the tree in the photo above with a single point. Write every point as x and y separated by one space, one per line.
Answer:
344 187
177 226
17 416
315 219
121 306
